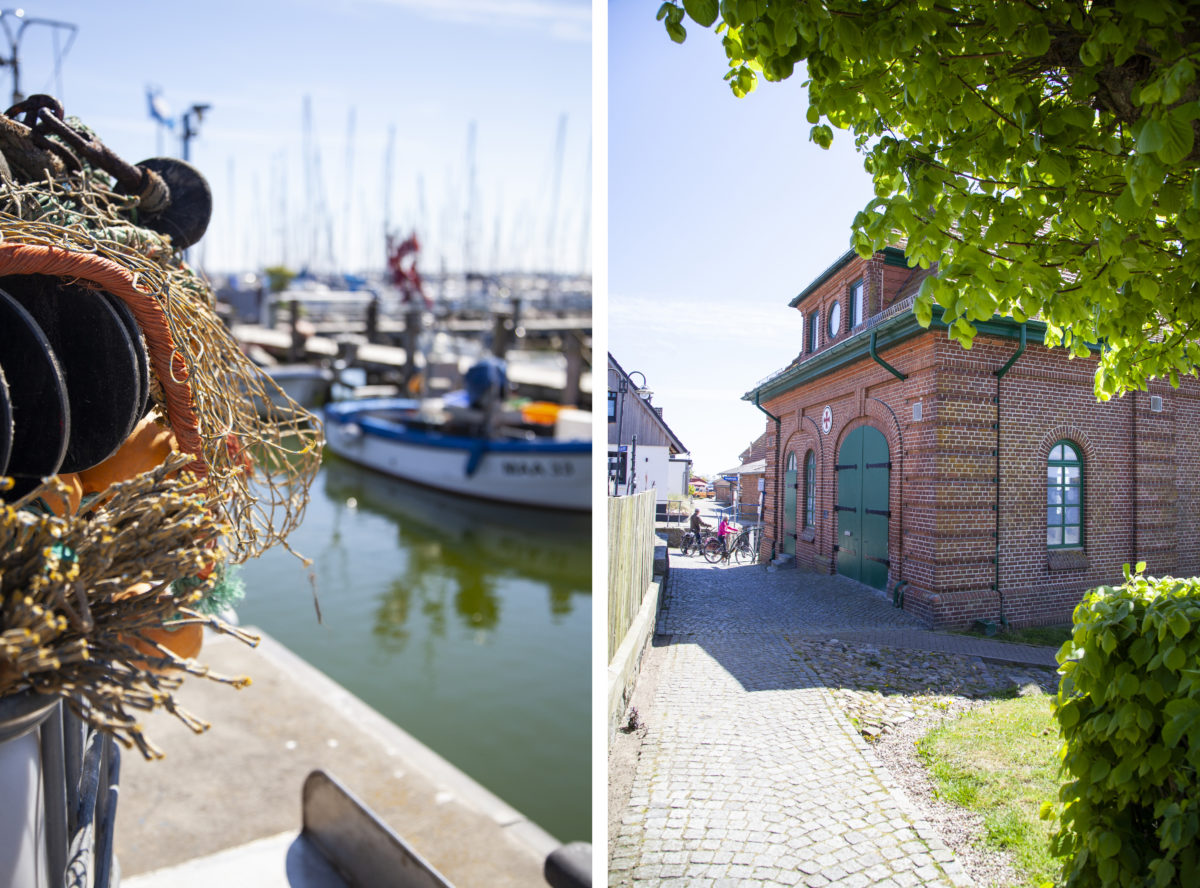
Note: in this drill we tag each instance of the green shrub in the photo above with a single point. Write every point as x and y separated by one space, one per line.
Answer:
1129 709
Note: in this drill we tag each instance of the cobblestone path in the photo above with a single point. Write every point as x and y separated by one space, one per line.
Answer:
748 774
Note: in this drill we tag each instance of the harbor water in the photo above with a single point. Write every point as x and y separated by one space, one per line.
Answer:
468 624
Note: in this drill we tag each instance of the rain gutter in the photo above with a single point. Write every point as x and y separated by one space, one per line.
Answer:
884 364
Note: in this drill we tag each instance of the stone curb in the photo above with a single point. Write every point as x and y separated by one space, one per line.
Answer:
627 661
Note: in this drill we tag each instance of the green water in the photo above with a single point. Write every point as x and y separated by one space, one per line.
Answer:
467 624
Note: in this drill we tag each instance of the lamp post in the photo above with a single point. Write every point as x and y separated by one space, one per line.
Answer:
624 380
196 112
622 387
643 391
14 44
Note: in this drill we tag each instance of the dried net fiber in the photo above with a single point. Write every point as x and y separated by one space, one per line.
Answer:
94 594
257 448
86 597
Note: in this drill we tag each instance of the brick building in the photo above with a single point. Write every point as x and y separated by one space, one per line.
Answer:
986 484
743 482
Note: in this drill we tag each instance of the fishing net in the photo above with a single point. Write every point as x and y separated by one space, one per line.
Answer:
87 590
257 448
85 595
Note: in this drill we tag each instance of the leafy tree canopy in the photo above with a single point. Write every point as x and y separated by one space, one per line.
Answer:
1043 153
279 277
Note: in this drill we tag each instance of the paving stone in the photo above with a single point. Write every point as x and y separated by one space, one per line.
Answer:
752 774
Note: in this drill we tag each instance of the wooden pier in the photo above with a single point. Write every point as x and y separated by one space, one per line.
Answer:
535 380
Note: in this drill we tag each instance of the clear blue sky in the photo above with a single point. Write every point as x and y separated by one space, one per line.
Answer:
720 211
426 67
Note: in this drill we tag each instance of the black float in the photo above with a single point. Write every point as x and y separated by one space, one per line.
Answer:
139 347
189 207
6 424
98 359
37 394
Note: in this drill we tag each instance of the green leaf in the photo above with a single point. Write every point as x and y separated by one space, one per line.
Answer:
1109 844
664 9
1178 623
1177 138
1176 727
677 32
812 115
1145 176
1037 41
1178 78
1126 207
1152 137
703 11
1175 659
1108 641
923 308
1057 170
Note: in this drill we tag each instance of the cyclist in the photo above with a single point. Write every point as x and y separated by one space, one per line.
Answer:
697 523
723 530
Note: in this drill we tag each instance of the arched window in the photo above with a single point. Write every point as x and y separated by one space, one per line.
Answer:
810 490
835 320
1064 497
791 462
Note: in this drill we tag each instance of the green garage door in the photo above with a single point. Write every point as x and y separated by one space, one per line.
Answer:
863 471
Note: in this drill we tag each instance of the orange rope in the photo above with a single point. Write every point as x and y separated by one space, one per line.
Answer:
169 365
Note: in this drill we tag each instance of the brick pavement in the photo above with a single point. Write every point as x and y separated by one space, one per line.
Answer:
748 774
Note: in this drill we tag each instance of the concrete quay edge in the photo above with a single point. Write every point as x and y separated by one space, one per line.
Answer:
408 747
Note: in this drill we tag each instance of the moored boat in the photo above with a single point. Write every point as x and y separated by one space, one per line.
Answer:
489 454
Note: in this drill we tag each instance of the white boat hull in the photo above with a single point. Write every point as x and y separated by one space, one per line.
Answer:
305 385
557 476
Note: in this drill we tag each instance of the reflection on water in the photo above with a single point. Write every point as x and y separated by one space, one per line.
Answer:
463 547
467 623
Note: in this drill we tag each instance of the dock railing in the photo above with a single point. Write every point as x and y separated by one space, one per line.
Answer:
58 784
630 560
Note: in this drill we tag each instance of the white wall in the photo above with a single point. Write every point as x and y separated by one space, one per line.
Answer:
680 472
655 470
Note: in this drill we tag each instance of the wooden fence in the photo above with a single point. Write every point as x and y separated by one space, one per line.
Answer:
630 560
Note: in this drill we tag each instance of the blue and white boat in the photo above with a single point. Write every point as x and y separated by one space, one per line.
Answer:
469 446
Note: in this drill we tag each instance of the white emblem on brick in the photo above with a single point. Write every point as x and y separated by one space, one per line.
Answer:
826 419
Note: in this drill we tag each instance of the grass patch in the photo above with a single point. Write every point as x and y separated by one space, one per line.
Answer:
1001 762
1051 636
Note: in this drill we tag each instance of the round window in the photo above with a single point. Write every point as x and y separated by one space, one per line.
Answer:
835 319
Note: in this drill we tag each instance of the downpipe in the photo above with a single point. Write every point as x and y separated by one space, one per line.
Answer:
778 463
1000 373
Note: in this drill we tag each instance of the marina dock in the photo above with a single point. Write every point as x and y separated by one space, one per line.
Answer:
545 381
224 807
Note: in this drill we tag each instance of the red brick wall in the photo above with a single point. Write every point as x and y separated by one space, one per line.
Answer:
943 488
749 495
837 289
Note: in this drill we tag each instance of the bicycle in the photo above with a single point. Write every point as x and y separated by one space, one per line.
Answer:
738 551
690 546
743 549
